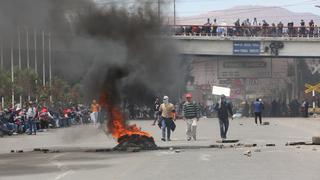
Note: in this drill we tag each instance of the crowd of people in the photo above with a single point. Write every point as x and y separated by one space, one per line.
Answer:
166 113
33 118
278 108
252 28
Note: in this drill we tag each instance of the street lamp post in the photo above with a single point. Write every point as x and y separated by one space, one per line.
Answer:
174 13
50 65
1 56
43 62
12 75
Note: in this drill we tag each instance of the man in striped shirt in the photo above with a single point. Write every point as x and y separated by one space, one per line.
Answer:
191 115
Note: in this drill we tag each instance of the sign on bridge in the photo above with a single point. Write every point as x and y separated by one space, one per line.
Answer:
246 47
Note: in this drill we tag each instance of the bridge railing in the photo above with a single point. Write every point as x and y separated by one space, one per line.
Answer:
246 31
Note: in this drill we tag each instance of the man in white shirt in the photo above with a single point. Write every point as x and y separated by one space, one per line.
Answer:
31 114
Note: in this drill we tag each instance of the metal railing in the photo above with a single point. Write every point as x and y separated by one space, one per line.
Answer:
246 31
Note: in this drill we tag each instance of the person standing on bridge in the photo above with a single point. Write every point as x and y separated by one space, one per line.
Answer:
191 115
223 108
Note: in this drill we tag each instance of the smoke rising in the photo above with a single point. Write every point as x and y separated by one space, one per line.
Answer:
88 41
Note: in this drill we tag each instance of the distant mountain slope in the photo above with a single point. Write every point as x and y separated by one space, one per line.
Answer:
270 14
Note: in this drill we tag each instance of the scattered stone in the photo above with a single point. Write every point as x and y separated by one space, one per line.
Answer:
45 150
177 151
228 141
19 151
257 150
55 151
266 123
171 148
247 153
239 144
103 150
316 140
216 146
250 145
314 149
12 151
268 145
298 147
36 149
295 143
241 124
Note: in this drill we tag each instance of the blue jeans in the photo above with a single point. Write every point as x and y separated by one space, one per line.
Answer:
165 127
224 126
32 125
11 127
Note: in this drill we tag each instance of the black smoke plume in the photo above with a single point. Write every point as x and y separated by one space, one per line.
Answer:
89 40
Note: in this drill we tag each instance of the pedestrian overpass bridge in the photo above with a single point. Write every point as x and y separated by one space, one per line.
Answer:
248 46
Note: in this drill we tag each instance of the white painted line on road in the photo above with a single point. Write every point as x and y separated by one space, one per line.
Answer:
65 170
64 174
205 157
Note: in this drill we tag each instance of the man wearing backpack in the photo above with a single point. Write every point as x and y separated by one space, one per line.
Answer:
191 115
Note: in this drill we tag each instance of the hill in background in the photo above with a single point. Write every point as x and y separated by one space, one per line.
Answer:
270 14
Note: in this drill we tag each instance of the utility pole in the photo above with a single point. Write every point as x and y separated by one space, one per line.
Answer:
19 48
35 52
28 58
28 55
2 98
12 76
43 62
1 55
159 10
174 13
50 65
19 53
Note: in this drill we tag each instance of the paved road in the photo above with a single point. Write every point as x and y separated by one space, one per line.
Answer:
272 163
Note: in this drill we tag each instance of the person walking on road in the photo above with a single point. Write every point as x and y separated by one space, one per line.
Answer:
167 112
223 109
156 111
191 115
95 108
258 107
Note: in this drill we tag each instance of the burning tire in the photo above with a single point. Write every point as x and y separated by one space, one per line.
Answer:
135 141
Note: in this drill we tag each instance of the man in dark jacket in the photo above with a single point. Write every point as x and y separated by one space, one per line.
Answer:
306 108
223 109
258 107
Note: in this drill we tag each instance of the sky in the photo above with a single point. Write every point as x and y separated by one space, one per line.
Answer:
195 7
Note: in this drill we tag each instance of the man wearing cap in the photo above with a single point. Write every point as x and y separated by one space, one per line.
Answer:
167 112
223 108
191 115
